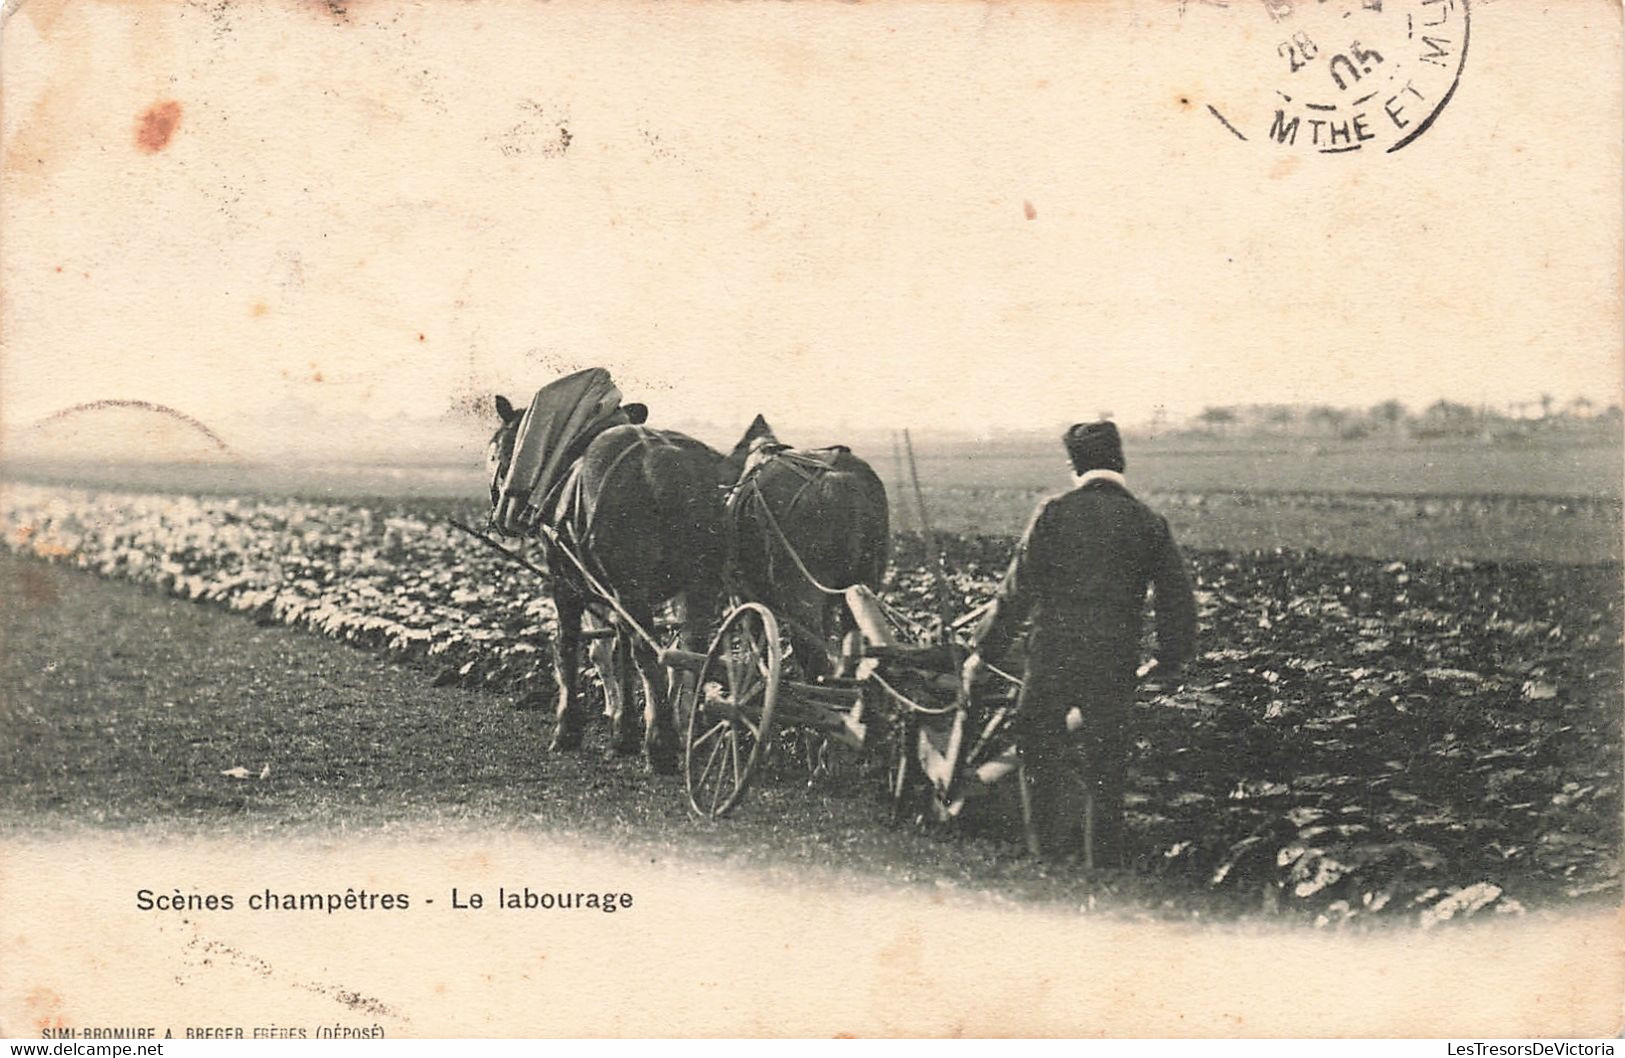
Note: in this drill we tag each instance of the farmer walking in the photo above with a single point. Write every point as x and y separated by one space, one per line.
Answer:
1081 572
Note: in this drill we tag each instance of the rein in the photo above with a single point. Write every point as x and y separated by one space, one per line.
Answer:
810 470
784 541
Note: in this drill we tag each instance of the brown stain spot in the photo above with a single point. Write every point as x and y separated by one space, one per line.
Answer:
45 1008
1185 101
259 308
420 337
40 136
1028 211
156 125
317 377
906 953
1042 82
1285 166
59 268
45 15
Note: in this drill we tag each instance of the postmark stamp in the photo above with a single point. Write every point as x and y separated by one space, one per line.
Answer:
1344 76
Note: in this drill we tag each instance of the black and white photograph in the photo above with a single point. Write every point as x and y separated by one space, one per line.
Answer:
737 518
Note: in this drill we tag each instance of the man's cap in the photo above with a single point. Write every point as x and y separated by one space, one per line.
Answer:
1094 446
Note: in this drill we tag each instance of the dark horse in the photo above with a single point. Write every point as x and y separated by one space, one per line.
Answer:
807 524
647 523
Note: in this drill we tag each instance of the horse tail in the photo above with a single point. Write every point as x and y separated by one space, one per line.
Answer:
876 534
859 526
856 524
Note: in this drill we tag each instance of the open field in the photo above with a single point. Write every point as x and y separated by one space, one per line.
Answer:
1259 465
1382 500
1359 739
1484 528
1559 504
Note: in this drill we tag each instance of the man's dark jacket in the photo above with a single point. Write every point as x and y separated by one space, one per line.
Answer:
1081 573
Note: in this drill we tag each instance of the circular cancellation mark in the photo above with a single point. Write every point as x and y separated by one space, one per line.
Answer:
1344 76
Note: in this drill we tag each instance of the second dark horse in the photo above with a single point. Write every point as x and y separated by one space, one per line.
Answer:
807 524
647 522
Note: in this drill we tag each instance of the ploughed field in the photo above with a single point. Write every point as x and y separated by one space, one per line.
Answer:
1360 740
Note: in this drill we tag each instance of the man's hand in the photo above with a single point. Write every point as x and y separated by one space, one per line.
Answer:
968 674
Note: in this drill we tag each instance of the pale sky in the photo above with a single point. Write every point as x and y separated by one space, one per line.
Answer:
895 213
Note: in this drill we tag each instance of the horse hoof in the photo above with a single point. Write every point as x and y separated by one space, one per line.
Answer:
660 763
564 742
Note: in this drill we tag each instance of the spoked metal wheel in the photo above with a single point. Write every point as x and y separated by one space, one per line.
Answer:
730 723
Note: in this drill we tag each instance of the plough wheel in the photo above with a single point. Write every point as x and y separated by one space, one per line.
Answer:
730 724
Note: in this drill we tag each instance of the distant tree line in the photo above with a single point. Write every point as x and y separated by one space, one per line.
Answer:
1544 417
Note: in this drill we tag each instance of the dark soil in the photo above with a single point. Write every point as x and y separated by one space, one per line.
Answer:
123 707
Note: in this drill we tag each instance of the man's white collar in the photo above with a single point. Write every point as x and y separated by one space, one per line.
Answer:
1099 475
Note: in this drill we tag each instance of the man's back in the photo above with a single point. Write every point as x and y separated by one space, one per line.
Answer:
1099 549
1082 572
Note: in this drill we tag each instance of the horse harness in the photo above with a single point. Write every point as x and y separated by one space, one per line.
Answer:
811 466
572 514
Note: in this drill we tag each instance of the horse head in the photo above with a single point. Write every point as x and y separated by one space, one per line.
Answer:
499 452
759 438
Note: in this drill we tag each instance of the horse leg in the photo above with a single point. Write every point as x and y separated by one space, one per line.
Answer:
566 661
839 617
811 634
601 651
615 670
699 623
697 608
809 609
659 731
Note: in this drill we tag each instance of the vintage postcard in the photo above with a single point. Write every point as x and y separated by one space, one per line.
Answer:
897 518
